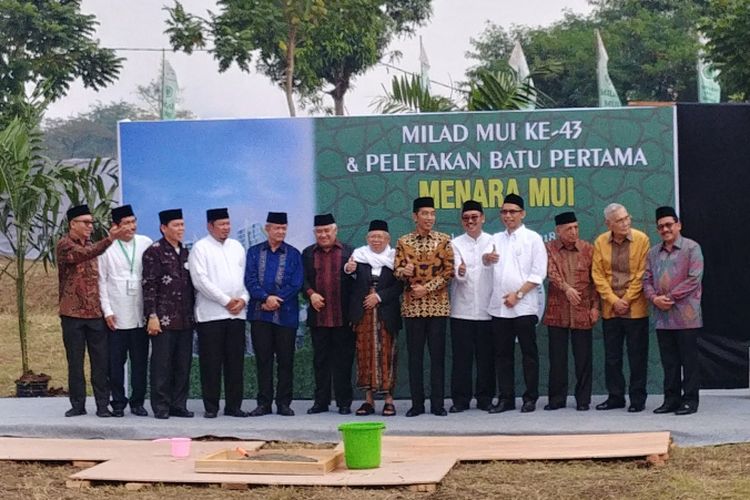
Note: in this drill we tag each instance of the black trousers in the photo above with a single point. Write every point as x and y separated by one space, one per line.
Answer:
504 333
221 349
634 333
581 342
171 357
269 341
132 342
471 342
333 357
679 357
430 331
78 335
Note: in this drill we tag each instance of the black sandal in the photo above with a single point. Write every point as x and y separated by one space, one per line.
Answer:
365 409
389 410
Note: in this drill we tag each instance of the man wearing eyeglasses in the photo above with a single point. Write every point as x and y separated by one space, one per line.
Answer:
672 283
617 270
519 262
81 311
471 333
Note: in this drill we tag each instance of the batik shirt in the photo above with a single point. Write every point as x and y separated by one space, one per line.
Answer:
167 288
78 274
676 273
274 273
432 256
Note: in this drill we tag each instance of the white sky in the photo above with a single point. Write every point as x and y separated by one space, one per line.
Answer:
210 94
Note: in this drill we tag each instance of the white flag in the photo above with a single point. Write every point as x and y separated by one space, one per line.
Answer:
517 61
424 67
607 94
168 92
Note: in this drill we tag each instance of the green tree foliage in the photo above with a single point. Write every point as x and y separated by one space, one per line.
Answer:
94 133
341 49
652 45
89 134
271 28
727 27
44 46
305 46
496 90
29 211
491 90
408 95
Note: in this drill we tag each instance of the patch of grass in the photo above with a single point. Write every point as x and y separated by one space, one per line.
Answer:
46 351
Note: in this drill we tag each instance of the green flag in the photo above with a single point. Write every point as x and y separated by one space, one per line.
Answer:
168 91
709 89
517 61
607 94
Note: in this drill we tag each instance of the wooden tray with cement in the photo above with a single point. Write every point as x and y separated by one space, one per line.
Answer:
289 461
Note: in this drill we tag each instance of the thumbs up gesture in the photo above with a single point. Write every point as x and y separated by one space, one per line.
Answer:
350 266
490 257
461 268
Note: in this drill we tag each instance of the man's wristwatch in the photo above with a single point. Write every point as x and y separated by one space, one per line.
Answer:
519 294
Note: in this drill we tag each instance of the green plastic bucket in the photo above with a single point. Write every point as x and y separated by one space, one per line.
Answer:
362 444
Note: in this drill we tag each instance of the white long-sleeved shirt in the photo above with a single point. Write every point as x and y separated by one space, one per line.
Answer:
470 293
522 258
120 290
218 273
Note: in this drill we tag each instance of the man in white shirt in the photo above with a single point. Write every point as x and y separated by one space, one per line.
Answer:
471 332
217 269
519 261
121 296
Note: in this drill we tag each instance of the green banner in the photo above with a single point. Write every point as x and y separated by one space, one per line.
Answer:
582 159
372 167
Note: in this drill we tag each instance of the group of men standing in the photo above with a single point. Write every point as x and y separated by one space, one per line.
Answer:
496 299
118 294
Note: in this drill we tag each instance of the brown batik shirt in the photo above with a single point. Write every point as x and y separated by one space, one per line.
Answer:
570 268
78 274
432 256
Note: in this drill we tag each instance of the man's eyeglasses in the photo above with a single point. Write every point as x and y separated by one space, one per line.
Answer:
666 225
470 218
85 222
510 212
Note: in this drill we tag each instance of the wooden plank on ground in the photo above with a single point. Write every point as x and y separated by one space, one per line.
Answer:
95 450
413 470
66 450
510 447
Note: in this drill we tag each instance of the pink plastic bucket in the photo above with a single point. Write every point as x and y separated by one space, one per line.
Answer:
180 446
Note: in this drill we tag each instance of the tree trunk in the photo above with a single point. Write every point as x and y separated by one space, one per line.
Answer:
21 304
289 82
338 92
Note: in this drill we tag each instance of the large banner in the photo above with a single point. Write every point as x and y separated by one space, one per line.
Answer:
582 160
362 168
